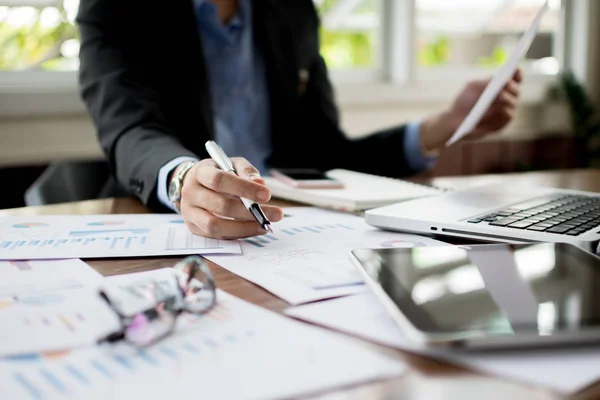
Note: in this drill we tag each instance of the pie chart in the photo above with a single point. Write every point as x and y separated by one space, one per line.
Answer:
23 225
402 244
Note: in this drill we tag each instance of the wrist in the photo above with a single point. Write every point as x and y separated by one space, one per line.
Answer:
176 171
176 180
436 131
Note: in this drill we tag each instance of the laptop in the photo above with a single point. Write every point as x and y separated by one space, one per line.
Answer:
506 212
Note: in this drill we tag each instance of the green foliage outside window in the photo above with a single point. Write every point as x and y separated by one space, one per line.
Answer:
434 53
439 52
347 50
499 57
35 46
38 46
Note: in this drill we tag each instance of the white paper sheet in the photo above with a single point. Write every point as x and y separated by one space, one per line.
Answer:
308 257
50 306
103 236
563 370
22 276
503 76
237 351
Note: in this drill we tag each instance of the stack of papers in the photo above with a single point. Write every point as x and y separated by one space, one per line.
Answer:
236 351
308 258
567 371
51 306
103 236
361 191
51 318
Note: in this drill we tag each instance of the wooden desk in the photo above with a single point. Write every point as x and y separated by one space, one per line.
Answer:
427 379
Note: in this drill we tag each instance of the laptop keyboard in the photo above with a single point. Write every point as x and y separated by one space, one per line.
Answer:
570 215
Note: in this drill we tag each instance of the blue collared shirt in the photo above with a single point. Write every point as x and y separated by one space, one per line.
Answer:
239 95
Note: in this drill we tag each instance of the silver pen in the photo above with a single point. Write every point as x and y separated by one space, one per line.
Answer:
218 155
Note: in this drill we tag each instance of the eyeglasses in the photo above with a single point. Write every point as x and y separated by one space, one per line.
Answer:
148 310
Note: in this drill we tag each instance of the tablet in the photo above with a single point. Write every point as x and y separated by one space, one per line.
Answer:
488 296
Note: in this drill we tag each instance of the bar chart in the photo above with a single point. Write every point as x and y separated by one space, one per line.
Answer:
53 321
214 359
265 240
45 375
104 236
109 242
37 377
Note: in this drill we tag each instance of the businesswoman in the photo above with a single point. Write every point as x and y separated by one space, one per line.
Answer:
159 79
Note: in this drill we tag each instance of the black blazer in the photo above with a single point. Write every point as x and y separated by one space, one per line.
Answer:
144 82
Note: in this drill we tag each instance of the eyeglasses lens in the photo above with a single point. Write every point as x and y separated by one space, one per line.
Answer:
196 284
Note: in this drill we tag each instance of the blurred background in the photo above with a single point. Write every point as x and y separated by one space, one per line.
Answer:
391 61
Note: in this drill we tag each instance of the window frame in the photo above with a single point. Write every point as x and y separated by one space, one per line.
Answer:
393 80
400 68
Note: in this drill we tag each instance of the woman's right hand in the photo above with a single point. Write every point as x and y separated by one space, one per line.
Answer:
210 200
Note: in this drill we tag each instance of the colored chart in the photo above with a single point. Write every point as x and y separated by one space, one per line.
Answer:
402 244
41 299
113 242
6 304
262 241
51 355
38 377
29 225
32 299
177 221
89 233
106 223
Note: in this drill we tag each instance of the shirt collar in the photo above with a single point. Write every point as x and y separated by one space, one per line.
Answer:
207 13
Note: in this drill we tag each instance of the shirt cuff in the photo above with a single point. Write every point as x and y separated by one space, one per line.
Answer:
412 149
163 176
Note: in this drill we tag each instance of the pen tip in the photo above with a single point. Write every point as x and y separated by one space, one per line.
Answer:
268 227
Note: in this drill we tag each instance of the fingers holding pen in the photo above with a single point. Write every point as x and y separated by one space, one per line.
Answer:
211 204
227 183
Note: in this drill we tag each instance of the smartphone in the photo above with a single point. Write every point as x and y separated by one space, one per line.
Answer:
306 178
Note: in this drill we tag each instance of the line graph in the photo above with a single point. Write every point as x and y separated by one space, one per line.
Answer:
312 268
282 257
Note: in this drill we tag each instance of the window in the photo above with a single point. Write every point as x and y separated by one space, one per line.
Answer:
377 44
38 35
350 37
468 34
450 40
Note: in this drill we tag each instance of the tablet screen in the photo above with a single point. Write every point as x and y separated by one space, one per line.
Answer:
500 289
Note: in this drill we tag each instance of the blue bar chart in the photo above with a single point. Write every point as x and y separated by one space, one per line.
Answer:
265 240
55 237
110 242
38 377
